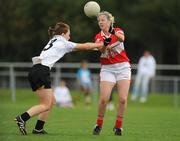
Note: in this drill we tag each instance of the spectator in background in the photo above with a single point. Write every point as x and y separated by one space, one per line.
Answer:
145 71
84 81
62 95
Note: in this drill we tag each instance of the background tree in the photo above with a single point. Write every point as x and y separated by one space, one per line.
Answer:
148 24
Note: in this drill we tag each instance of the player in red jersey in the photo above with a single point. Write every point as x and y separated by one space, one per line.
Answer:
115 70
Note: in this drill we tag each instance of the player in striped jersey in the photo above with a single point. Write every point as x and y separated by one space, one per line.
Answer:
115 70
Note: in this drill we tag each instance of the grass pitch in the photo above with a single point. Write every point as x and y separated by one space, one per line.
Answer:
156 120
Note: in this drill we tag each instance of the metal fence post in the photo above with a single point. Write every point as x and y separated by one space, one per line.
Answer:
176 93
57 75
12 83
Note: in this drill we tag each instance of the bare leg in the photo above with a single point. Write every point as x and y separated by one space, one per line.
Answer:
123 89
45 98
44 115
105 92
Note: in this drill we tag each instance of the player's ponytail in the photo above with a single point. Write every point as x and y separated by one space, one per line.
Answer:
51 32
58 29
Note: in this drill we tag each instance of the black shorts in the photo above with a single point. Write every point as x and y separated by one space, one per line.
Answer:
39 76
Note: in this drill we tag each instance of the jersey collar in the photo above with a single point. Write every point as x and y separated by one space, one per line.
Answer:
103 34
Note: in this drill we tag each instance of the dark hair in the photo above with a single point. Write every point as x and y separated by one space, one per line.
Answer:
58 29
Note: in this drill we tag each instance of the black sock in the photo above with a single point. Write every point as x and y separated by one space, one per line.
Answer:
39 124
25 116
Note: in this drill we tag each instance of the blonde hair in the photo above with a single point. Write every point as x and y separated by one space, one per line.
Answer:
108 16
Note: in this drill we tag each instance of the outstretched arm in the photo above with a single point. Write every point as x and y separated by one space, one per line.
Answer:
88 46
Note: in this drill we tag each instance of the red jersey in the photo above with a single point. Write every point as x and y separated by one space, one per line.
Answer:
117 54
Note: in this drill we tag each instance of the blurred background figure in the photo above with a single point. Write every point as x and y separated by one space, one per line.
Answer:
84 80
63 95
145 71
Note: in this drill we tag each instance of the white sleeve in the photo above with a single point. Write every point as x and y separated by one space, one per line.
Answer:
70 45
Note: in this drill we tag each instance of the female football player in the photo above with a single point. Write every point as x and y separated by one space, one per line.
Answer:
115 70
39 75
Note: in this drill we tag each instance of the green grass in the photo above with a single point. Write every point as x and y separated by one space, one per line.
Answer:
156 120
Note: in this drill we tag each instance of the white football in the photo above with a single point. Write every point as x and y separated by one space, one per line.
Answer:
91 9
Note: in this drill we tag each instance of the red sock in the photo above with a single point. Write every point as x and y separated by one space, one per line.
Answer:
119 121
99 121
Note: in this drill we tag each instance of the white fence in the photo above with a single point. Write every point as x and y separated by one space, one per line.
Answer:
14 75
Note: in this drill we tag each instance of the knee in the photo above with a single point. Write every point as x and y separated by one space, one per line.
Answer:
47 107
103 101
123 101
50 105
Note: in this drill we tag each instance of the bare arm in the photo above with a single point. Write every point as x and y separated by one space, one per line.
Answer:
120 36
102 49
88 46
